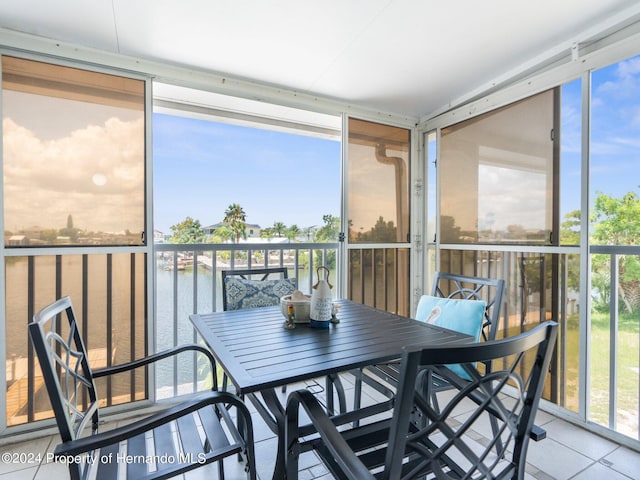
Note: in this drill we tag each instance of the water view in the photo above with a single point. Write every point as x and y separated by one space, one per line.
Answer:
181 292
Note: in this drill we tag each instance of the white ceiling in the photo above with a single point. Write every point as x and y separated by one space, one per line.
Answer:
405 57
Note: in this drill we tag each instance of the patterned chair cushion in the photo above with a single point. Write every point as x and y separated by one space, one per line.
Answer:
242 293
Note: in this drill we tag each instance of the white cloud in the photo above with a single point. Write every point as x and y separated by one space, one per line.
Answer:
624 81
629 67
512 197
47 180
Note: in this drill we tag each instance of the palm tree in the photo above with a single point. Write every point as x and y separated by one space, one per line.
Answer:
278 229
292 232
235 218
310 232
221 234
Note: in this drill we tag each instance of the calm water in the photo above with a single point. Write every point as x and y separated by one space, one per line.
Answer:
176 328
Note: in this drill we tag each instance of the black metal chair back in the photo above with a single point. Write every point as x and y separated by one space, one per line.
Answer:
60 348
421 442
445 285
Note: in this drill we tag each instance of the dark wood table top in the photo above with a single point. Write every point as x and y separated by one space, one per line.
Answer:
258 353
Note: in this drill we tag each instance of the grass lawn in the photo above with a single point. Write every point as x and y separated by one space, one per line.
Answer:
628 374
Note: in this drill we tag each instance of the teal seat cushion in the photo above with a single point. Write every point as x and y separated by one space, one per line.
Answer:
243 293
465 316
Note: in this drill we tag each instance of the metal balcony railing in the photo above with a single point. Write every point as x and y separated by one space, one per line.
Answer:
543 284
108 288
613 365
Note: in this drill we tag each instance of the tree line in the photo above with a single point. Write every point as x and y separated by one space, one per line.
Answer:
614 221
234 228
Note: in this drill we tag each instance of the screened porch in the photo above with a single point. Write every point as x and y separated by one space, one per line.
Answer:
511 154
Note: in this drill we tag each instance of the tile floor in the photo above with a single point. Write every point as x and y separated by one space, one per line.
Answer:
568 452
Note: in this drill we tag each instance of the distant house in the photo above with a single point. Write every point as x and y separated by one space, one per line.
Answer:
158 236
253 230
17 241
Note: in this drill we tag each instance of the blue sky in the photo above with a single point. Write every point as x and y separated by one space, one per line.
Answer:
615 128
202 167
615 134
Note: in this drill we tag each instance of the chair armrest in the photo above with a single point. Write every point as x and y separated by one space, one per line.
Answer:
110 437
347 460
124 367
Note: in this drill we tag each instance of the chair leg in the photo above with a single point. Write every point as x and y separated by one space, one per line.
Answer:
292 466
538 433
292 455
333 381
342 398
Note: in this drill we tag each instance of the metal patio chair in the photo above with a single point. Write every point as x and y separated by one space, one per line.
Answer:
422 442
182 437
445 285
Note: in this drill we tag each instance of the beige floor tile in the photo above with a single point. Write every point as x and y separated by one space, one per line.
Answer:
24 474
23 455
50 471
625 461
542 418
265 457
568 452
233 470
580 440
598 471
555 459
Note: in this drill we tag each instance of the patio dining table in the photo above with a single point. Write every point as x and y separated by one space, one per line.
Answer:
259 354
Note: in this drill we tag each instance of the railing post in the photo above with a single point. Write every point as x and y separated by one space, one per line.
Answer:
613 341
